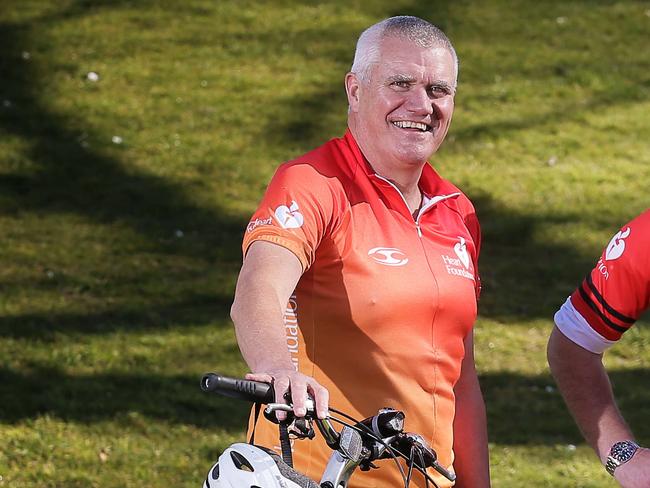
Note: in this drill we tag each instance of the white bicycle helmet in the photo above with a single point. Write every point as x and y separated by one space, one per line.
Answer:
246 466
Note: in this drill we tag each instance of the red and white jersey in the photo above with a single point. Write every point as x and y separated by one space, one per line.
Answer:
386 300
616 292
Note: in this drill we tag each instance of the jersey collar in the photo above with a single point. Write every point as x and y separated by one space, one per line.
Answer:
432 185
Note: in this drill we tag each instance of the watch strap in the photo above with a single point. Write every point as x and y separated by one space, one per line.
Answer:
612 464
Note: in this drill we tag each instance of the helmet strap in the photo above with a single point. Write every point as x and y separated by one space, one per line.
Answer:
258 408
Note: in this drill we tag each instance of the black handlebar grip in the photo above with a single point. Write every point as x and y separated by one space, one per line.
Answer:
252 391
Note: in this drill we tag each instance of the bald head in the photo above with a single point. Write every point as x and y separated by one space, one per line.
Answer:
406 27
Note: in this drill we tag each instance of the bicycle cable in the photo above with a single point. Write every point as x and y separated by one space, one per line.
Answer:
411 463
371 434
422 462
394 453
391 450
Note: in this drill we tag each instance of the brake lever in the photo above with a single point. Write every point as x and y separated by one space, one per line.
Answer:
446 473
428 454
271 408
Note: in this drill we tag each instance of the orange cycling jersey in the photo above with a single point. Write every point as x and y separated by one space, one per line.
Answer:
385 301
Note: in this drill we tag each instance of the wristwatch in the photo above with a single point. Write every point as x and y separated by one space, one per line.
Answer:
620 453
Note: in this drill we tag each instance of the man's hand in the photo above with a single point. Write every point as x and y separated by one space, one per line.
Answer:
300 385
636 472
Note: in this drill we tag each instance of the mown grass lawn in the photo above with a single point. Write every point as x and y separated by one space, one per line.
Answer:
124 194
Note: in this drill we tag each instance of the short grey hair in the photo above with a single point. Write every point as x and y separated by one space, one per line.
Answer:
405 27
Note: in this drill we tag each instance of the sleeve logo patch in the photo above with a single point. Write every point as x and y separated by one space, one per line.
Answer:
616 246
289 217
254 224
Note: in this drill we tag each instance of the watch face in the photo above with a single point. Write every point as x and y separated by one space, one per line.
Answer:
623 451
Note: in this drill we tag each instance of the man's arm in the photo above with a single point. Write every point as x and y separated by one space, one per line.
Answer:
587 391
472 463
266 281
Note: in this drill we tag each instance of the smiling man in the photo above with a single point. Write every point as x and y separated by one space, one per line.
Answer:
360 282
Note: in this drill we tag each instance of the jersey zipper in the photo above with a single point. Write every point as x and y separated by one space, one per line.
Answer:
434 201
431 203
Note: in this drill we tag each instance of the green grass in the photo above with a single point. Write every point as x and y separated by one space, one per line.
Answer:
118 260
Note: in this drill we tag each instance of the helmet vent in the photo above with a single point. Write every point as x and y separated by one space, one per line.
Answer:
241 462
215 472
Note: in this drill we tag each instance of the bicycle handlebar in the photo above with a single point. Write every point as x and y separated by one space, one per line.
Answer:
251 391
387 426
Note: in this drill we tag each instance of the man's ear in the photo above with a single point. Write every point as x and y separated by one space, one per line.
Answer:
352 87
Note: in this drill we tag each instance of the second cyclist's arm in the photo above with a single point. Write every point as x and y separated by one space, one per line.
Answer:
587 391
585 386
471 462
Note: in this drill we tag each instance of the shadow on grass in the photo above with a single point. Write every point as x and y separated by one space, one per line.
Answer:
529 410
522 275
521 409
46 327
71 178
104 397
68 178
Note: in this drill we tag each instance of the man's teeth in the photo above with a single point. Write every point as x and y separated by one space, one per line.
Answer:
407 124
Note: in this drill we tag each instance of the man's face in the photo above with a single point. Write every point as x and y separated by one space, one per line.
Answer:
402 113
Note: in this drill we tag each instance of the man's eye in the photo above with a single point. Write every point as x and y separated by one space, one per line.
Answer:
401 84
438 91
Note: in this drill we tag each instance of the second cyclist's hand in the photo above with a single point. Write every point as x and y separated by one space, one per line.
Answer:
301 387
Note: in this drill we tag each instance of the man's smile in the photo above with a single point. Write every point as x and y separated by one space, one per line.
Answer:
409 124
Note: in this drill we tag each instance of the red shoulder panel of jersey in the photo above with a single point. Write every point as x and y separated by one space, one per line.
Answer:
612 297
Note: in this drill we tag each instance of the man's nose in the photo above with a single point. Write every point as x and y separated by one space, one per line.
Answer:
419 101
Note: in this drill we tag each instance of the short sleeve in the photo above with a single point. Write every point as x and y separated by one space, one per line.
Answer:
297 211
615 293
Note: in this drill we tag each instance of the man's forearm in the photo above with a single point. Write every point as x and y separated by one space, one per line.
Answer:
266 281
585 386
259 330
470 440
471 461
